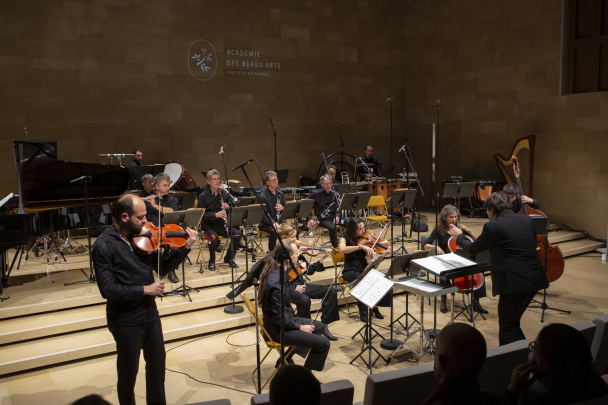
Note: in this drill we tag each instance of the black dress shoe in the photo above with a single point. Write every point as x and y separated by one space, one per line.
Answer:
231 263
173 277
211 266
377 313
278 363
478 308
363 315
241 245
328 334
218 249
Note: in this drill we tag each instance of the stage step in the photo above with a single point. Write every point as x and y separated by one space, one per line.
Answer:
564 236
579 246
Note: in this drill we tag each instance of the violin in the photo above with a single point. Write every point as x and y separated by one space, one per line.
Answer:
292 273
370 240
461 282
171 235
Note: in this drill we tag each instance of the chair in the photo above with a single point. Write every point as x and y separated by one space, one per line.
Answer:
261 236
587 329
339 258
500 362
416 383
339 392
374 204
270 344
599 347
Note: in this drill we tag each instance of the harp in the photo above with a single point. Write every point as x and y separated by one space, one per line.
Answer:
524 150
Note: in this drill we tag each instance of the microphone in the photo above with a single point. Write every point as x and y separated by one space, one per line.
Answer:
81 178
270 119
338 129
243 164
390 99
401 150
222 149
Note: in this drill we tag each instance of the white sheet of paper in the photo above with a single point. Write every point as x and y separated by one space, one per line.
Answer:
372 288
442 263
420 284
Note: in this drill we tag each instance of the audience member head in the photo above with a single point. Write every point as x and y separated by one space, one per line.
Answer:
282 390
92 399
460 352
495 203
562 356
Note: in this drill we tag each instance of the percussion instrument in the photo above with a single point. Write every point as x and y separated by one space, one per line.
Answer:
180 178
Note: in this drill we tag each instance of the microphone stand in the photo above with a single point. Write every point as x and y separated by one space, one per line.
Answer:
284 257
391 344
410 161
341 152
274 132
84 180
231 309
434 332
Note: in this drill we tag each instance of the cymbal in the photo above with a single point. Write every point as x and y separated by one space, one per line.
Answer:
234 182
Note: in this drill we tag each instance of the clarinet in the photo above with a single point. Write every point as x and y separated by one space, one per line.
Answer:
222 203
279 194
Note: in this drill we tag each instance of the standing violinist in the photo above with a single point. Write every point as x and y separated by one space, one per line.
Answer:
516 269
356 259
512 192
161 200
301 293
304 334
215 201
125 279
275 201
323 199
449 216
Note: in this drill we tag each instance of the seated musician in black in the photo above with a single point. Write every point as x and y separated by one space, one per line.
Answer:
215 202
305 334
323 199
331 170
275 201
356 259
147 184
166 203
449 216
512 192
301 293
372 162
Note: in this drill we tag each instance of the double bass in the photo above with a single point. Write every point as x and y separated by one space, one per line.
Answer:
555 259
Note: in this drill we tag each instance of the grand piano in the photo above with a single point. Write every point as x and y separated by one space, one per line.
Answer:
48 199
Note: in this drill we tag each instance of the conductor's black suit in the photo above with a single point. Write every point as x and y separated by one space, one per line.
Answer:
517 272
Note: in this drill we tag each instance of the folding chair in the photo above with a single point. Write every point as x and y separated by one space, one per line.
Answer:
374 215
339 258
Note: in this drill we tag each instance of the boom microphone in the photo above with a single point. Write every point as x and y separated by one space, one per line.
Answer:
243 164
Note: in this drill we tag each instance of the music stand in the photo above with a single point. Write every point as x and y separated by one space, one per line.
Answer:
185 219
245 201
367 336
401 265
240 218
541 224
254 217
342 188
281 175
404 198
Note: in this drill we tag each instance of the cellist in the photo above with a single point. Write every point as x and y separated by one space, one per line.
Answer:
449 216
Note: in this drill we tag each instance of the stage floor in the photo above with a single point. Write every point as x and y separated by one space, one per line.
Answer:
227 358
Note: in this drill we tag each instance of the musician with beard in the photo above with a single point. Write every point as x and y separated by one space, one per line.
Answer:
126 280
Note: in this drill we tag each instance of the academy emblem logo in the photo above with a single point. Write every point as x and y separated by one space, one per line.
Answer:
202 60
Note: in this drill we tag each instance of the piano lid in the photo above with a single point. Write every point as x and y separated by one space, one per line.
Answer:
44 180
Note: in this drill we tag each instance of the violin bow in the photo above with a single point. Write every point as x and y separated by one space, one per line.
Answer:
380 235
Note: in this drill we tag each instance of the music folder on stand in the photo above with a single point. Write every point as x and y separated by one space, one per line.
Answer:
185 219
369 288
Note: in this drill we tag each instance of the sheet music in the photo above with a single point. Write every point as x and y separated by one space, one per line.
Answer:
372 288
443 263
421 284
5 199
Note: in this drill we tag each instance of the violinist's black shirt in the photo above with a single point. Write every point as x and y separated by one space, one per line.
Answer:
271 304
122 274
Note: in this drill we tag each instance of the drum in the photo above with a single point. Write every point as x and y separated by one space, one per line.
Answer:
484 189
180 178
385 188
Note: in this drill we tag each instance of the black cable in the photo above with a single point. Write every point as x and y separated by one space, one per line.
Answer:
587 234
205 337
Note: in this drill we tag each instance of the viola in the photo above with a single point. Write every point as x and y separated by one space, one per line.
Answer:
461 282
170 235
370 240
555 259
292 273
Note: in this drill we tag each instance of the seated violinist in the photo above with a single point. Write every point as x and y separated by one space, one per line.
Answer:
305 334
512 192
449 216
356 259
301 293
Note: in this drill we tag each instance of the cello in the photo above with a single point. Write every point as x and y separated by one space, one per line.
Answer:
555 259
464 283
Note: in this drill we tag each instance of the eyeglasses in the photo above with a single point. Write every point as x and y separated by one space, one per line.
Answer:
533 348
273 181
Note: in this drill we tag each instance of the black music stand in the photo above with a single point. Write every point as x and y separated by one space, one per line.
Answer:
368 327
282 174
401 265
247 216
84 180
245 201
185 219
304 211
541 224
404 198
468 307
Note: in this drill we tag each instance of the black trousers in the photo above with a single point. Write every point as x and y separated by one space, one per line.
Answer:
315 343
511 307
331 228
130 340
330 311
272 239
221 231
